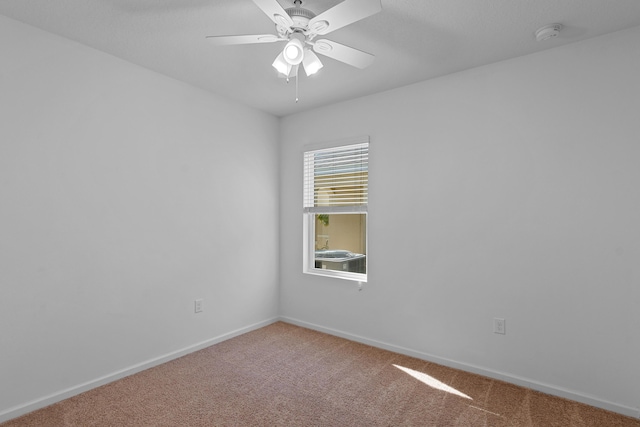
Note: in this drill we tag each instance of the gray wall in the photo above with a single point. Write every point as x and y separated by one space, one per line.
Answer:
511 191
125 195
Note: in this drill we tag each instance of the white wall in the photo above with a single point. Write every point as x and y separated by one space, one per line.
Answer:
511 190
124 195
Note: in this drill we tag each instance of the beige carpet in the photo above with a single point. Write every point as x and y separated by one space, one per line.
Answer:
284 375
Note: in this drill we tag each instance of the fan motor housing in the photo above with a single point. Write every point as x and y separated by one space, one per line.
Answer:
300 17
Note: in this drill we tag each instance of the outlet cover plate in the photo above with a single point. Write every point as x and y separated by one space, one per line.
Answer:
197 306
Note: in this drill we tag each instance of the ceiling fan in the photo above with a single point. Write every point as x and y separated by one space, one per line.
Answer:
299 27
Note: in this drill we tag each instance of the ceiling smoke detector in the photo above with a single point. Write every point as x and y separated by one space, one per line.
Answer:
548 32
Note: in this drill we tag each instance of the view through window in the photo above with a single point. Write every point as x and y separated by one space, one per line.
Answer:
335 211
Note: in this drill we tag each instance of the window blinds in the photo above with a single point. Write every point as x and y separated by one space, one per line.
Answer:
336 179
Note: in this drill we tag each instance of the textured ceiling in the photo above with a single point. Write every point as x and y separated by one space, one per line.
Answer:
413 40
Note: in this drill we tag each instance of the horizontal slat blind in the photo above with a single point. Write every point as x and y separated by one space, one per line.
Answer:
336 177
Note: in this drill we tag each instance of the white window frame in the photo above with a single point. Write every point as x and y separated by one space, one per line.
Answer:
309 214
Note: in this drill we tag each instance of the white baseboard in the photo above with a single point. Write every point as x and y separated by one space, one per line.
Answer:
33 405
524 382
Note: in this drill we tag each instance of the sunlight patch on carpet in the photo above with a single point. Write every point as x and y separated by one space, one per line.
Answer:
432 382
484 410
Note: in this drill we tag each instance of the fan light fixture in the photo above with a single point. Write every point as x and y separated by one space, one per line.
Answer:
292 55
311 62
281 65
293 52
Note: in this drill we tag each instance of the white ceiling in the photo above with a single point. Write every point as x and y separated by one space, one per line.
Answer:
413 40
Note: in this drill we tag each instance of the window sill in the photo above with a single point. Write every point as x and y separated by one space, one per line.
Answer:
354 277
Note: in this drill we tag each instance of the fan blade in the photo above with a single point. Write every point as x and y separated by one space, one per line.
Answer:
346 54
245 39
342 14
275 12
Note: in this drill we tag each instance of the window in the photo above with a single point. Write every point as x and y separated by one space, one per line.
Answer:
336 182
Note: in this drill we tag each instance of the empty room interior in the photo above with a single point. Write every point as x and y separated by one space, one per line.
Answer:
153 199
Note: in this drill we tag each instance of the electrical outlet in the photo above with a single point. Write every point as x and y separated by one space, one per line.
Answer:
198 305
499 326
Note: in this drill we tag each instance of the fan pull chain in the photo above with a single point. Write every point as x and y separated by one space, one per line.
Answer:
295 75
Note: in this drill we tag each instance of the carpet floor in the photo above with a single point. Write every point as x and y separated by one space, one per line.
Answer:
285 375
